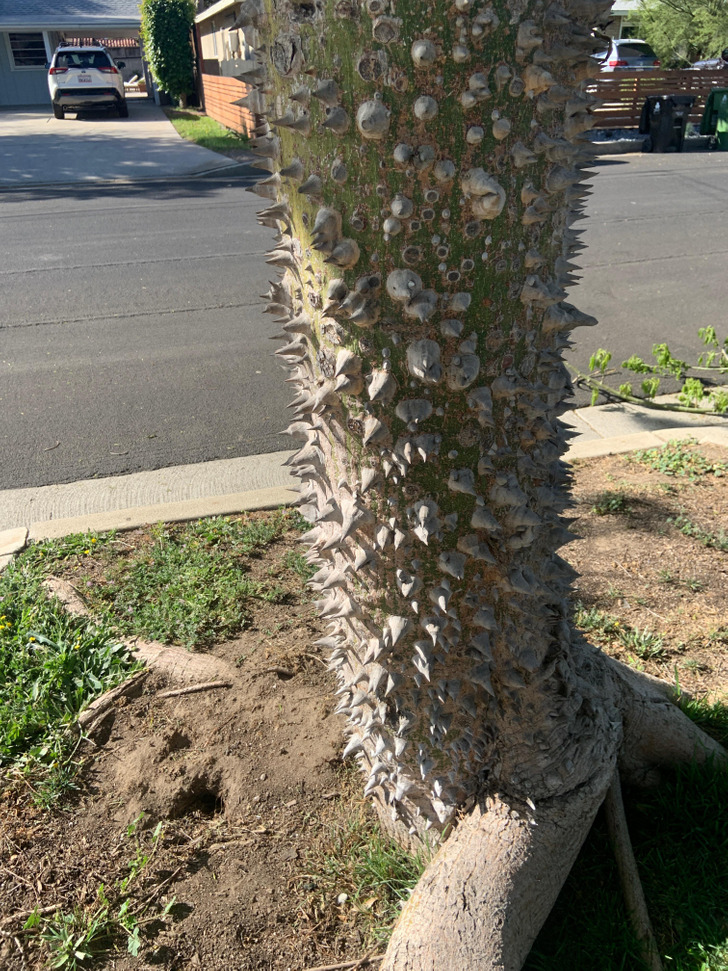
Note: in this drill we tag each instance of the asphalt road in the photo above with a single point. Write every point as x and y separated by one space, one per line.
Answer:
656 264
131 333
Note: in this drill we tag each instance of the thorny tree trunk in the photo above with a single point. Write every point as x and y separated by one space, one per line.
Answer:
423 168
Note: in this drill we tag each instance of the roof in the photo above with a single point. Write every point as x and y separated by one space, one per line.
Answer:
620 8
68 14
215 9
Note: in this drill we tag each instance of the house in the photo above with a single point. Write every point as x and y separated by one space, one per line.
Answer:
222 50
621 10
30 30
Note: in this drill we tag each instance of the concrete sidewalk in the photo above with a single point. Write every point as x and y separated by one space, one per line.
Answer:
37 149
263 482
613 428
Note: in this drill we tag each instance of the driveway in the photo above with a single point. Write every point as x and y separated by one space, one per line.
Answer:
38 149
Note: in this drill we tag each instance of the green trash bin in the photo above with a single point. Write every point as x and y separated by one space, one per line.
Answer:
715 117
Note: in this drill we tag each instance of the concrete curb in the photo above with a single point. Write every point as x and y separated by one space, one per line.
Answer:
227 171
638 440
280 495
167 512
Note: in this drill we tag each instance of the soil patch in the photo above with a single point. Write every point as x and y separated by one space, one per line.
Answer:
646 568
247 780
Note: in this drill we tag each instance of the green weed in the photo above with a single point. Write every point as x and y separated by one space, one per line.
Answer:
594 621
602 626
679 457
687 527
610 502
51 666
73 939
295 561
692 583
644 643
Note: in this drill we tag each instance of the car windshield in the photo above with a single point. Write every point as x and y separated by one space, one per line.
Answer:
82 59
636 50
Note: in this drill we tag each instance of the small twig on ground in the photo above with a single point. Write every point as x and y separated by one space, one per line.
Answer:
223 724
194 688
636 573
361 963
281 672
25 914
16 876
629 876
21 951
319 659
654 614
160 886
102 704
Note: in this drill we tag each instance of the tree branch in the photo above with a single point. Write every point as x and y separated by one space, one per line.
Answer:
634 896
605 389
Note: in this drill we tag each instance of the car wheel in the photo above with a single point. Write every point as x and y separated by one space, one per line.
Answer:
123 108
58 112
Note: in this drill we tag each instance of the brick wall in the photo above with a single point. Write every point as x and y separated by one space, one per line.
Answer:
219 93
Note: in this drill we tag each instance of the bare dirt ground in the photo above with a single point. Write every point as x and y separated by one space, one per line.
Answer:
247 780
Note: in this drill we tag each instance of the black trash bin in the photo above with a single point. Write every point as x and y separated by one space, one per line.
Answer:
664 118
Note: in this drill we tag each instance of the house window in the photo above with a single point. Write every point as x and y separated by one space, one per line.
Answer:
214 39
28 50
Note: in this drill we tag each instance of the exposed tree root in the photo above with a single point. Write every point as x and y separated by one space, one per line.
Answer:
657 734
629 876
483 899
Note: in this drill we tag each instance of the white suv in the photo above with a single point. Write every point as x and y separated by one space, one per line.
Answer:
85 77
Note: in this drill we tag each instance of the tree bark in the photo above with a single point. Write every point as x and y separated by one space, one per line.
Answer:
423 171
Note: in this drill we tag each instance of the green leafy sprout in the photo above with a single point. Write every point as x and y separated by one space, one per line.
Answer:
74 938
694 396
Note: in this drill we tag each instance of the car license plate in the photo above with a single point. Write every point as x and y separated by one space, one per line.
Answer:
84 79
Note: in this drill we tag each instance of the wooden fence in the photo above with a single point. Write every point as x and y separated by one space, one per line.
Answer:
622 94
219 93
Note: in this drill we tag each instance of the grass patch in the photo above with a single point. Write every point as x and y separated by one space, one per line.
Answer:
359 877
594 621
679 458
51 666
186 583
205 131
680 837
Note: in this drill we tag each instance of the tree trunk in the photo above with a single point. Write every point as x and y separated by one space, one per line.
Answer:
424 173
